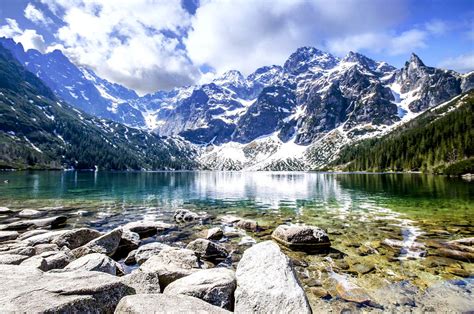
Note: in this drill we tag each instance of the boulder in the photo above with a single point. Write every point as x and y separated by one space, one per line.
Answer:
8 235
166 304
130 259
146 251
5 210
12 259
215 286
106 244
49 260
301 238
130 241
46 247
42 238
19 248
31 213
266 282
31 233
171 264
29 290
146 228
229 219
94 262
208 250
76 237
214 234
143 282
248 225
185 215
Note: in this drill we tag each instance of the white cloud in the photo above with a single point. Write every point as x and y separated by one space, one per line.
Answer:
36 15
29 38
124 41
463 63
436 27
245 34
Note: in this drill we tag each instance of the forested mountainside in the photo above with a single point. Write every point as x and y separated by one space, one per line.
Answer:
37 130
441 140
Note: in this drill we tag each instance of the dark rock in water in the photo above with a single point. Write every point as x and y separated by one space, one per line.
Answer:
8 235
362 268
266 282
352 293
171 264
106 244
146 251
301 238
214 234
248 225
162 303
208 250
184 215
75 238
319 292
27 289
215 286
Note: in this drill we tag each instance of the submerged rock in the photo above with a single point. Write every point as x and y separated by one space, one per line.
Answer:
266 282
248 225
146 228
167 304
76 237
106 244
301 238
214 234
215 286
208 250
31 213
27 289
94 262
185 215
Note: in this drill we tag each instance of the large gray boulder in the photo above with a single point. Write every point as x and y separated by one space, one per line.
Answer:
215 286
171 264
208 250
27 289
266 282
146 251
94 262
106 244
143 282
76 237
301 238
166 304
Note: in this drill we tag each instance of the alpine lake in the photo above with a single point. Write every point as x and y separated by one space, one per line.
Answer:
386 230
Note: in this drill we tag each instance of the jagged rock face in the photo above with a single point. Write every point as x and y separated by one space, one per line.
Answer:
467 82
309 59
434 85
273 105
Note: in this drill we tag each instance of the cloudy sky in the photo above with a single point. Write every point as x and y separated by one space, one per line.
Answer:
149 45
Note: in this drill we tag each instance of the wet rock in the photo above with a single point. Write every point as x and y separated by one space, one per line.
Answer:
49 260
42 238
460 272
130 241
214 234
76 237
8 235
12 259
352 293
143 282
208 250
146 228
447 297
146 251
31 233
464 241
365 250
94 262
247 225
398 244
106 244
171 264
27 289
5 210
362 268
167 304
266 282
229 219
215 286
301 238
31 213
184 215
457 255
51 222
46 247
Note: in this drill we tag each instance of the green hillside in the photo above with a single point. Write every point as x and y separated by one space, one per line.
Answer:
38 131
440 140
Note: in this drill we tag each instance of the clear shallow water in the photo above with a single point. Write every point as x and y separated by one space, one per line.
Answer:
359 211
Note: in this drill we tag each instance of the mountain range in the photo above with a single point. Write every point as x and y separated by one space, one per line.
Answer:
298 116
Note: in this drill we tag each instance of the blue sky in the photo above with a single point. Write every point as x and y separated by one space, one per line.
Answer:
159 44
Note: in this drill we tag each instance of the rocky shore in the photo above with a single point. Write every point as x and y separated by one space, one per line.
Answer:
228 264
